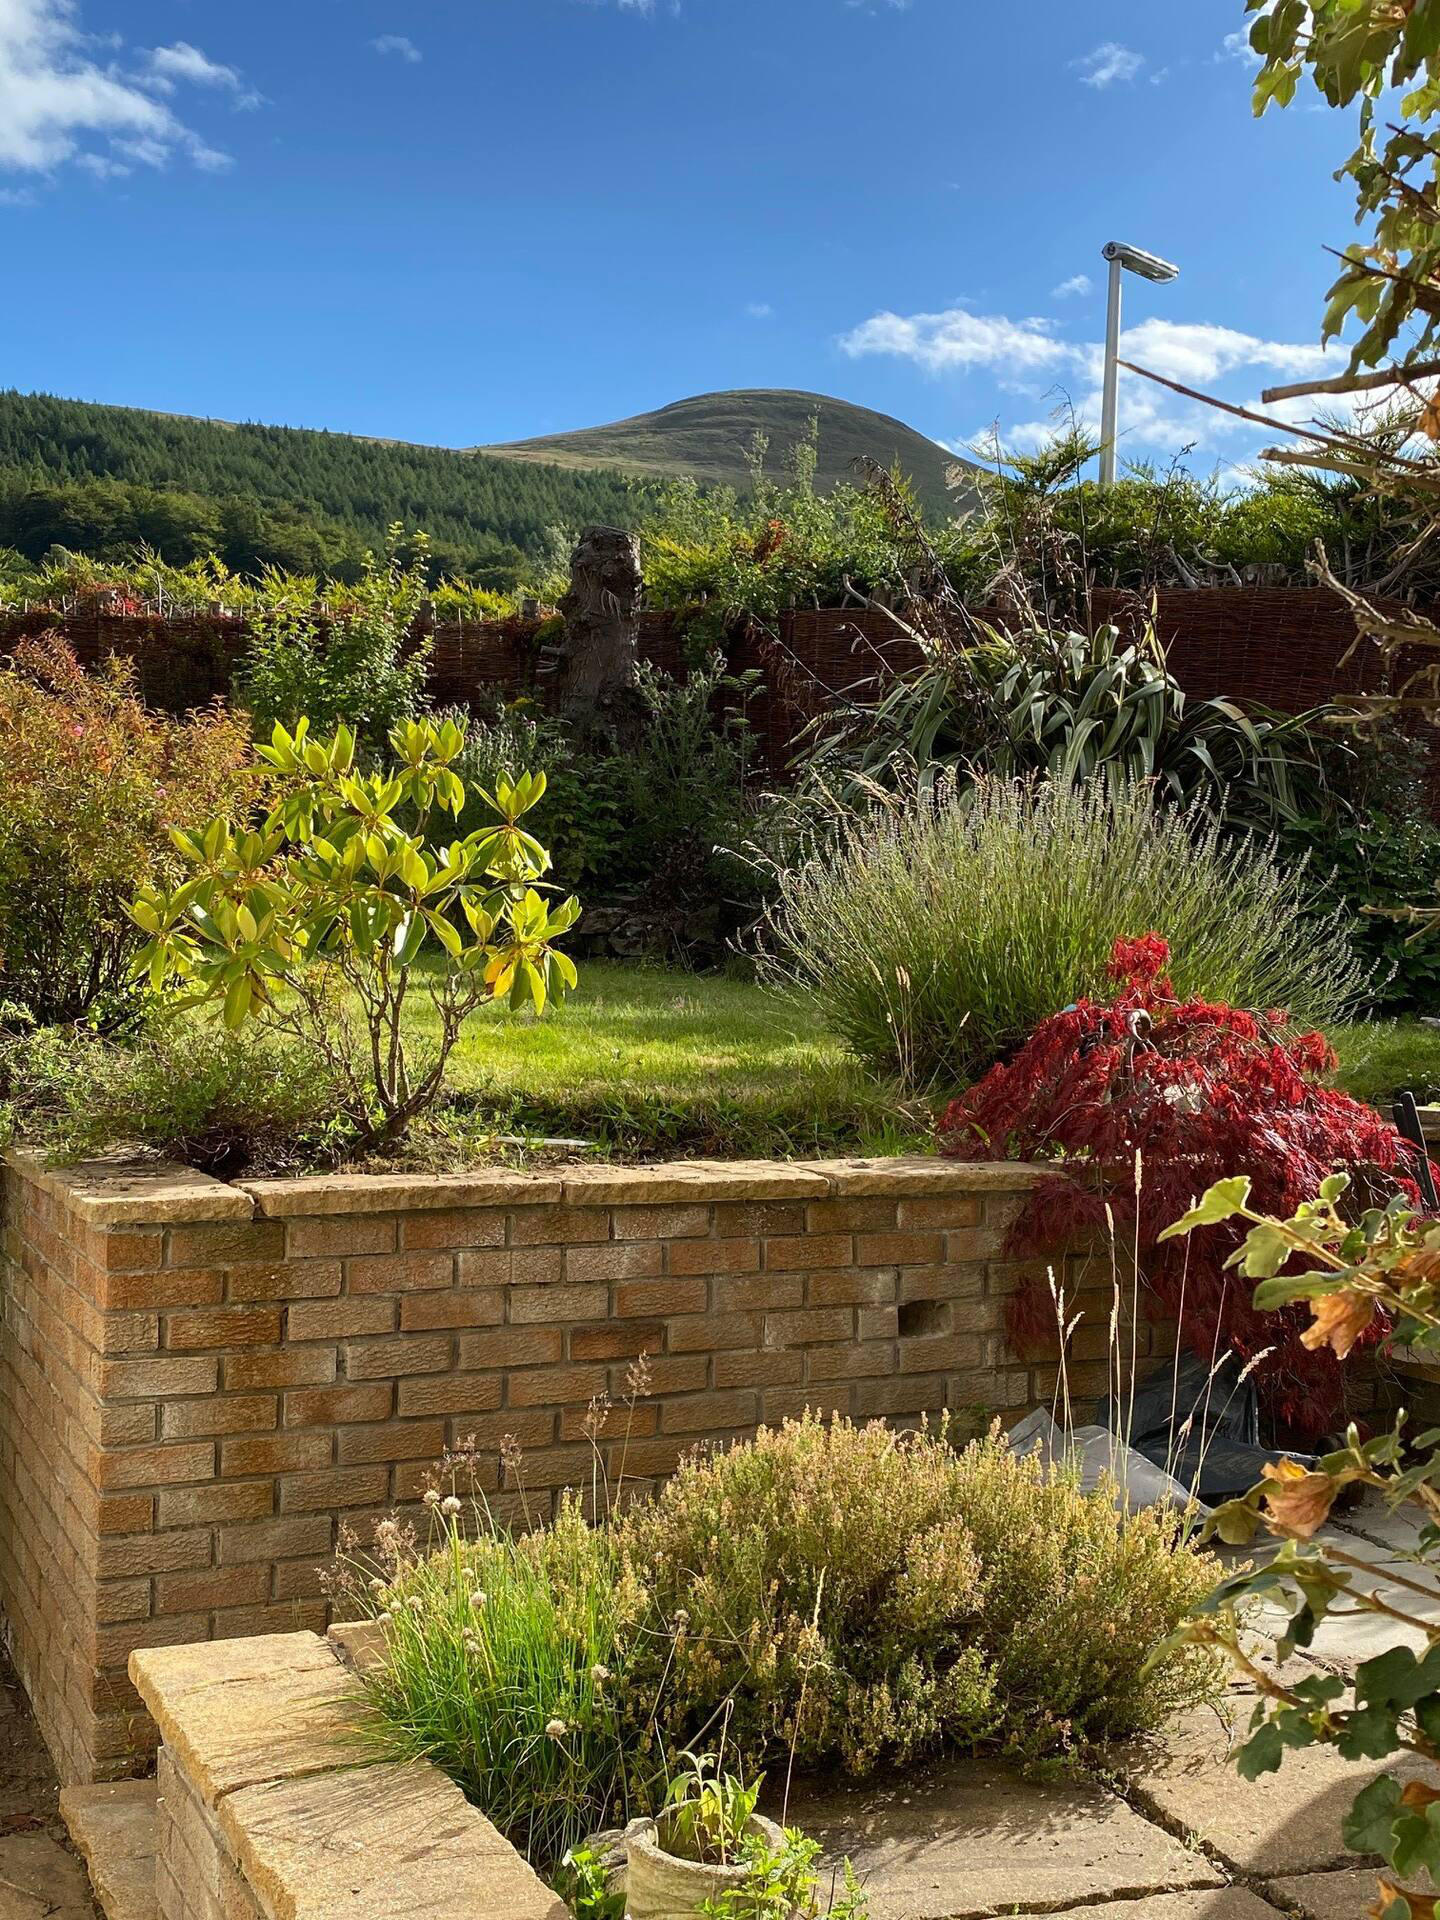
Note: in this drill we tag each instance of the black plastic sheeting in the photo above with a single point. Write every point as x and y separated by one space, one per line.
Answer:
1219 1453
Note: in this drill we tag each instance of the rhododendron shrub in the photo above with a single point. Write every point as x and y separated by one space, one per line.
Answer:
1150 1099
92 780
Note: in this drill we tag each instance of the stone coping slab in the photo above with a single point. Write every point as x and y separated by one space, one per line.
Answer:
261 1732
370 1842
665 1183
968 1839
126 1192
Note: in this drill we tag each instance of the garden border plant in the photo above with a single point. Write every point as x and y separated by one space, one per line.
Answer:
341 887
1155 1092
1352 1275
826 1593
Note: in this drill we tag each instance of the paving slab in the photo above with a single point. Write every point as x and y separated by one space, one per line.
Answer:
969 1838
1343 1895
1374 1520
113 1825
1210 1903
33 1853
40 1879
1283 1823
1347 1636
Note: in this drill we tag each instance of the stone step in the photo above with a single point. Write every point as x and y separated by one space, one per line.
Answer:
113 1826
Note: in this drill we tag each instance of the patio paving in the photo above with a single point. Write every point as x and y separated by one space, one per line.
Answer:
40 1877
969 1839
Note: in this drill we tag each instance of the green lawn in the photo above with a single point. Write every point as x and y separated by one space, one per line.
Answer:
1382 1057
651 1059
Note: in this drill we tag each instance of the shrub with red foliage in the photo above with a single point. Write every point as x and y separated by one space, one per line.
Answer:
1197 1092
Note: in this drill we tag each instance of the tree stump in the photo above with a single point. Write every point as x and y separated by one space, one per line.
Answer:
596 664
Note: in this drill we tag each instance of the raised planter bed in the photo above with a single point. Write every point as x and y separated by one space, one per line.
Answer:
264 1807
199 1382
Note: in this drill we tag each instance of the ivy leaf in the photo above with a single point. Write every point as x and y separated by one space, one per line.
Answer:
1396 1678
1262 1753
1369 1734
1367 1826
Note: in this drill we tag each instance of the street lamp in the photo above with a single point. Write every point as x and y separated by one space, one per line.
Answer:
1150 267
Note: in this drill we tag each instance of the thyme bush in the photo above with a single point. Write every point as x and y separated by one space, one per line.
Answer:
848 1594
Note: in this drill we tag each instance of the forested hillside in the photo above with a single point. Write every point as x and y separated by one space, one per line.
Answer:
101 480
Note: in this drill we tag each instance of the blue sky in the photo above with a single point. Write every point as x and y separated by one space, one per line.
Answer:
461 221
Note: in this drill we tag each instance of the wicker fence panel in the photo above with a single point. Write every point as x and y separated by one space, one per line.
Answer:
1286 648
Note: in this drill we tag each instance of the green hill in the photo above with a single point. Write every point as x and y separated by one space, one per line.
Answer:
709 437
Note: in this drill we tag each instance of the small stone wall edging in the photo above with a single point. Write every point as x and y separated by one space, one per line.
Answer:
268 1807
202 1385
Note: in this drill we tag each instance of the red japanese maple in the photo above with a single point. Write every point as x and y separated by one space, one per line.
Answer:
1196 1091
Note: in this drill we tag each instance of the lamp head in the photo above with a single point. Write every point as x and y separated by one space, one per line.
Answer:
1135 260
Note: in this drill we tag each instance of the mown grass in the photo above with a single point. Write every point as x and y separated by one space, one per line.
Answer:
1380 1058
650 1060
646 1060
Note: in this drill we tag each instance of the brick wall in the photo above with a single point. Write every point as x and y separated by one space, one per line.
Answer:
200 1382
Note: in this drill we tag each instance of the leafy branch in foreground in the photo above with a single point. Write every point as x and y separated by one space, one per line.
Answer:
326 908
1349 1273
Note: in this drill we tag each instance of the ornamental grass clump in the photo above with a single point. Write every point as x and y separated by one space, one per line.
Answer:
500 1663
934 939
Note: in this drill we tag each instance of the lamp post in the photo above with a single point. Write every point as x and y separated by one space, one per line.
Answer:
1150 267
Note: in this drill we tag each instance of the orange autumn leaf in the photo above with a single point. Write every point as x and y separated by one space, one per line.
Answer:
1416 1794
1296 1500
1339 1320
1416 1268
1421 1905
1429 422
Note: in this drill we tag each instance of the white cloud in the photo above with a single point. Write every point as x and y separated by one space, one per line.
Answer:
400 45
60 101
1009 353
958 339
100 166
1107 63
760 310
646 8
166 68
1236 46
1077 283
